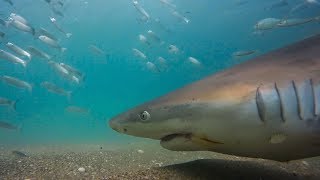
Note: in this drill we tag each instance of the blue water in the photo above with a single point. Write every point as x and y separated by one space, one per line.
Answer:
119 80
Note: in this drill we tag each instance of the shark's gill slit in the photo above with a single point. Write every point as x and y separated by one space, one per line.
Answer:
281 102
298 100
260 105
313 98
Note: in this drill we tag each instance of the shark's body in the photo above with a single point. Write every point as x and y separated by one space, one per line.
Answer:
268 107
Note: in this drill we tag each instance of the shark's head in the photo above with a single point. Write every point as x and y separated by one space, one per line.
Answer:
193 118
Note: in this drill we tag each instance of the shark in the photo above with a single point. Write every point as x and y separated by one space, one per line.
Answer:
267 107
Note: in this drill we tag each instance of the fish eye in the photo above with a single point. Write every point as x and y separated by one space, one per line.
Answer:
144 116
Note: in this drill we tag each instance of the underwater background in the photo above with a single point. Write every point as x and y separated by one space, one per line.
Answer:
104 32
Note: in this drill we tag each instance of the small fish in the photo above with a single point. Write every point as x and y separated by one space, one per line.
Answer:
294 22
21 26
6 125
162 60
173 49
243 53
181 17
141 10
45 32
194 61
51 43
18 50
75 72
56 11
54 22
139 54
162 63
95 50
19 154
143 39
12 58
267 24
53 88
8 102
241 2
19 18
278 4
154 37
152 67
16 82
77 109
167 3
9 1
63 72
39 53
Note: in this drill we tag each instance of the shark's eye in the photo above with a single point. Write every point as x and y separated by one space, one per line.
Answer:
144 116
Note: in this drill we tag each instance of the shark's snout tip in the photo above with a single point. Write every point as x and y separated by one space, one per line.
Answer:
114 124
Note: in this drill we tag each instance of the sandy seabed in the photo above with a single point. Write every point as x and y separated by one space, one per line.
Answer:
142 160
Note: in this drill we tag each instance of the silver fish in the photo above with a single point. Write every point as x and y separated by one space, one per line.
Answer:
173 49
53 88
19 18
154 37
95 50
294 22
12 58
19 154
6 125
63 72
143 12
278 4
52 43
139 54
39 53
54 22
152 67
16 82
167 3
194 61
267 24
45 32
21 26
143 39
75 72
181 17
18 50
8 102
243 53
77 109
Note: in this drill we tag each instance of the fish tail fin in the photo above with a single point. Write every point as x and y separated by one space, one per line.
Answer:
30 88
13 105
34 33
69 35
7 24
20 127
29 57
69 95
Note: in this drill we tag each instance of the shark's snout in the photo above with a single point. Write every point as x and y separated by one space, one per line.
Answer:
115 125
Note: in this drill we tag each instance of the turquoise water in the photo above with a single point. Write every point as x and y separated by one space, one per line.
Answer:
117 80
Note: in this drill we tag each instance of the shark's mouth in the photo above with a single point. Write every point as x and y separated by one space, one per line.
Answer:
189 137
176 135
